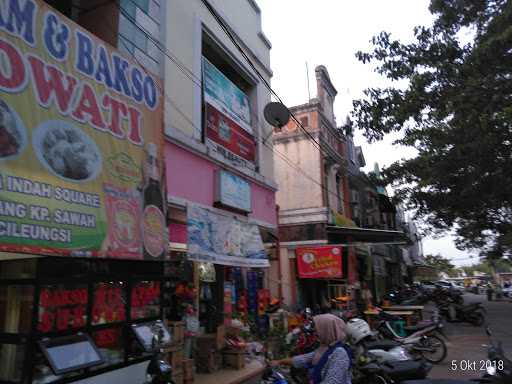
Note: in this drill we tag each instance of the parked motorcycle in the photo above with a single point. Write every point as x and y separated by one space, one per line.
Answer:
303 338
471 313
272 375
498 369
158 370
364 343
390 372
422 339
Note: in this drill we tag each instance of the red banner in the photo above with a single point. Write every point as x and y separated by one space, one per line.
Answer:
224 131
319 262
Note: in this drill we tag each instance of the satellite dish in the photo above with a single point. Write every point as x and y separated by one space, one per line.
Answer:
276 114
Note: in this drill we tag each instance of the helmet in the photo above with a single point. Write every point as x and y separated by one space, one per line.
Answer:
358 329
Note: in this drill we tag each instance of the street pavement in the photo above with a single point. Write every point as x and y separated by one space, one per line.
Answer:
467 354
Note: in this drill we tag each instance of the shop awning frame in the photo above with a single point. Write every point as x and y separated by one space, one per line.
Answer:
364 236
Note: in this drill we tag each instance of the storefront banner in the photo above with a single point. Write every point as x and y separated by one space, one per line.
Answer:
225 96
220 239
81 142
233 191
224 131
319 262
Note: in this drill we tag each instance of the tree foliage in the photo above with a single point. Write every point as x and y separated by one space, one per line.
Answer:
440 263
452 101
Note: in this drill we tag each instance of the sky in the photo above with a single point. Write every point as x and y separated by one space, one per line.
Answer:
329 33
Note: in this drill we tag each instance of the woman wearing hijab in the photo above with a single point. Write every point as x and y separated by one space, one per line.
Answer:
331 362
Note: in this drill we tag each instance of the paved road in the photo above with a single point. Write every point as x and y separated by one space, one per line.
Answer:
466 354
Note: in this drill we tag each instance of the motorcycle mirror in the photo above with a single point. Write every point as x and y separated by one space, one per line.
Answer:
488 331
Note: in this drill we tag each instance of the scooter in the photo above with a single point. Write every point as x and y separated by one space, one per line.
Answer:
471 313
423 339
365 344
390 372
158 371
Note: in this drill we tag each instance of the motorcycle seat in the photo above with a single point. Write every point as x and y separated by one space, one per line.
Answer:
386 345
406 370
418 327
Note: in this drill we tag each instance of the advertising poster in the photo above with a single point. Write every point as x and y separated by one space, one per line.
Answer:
319 262
80 142
233 191
223 131
226 97
220 239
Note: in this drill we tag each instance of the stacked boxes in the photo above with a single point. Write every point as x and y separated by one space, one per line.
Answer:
208 356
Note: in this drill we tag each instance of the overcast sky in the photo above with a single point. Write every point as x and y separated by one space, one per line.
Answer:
329 32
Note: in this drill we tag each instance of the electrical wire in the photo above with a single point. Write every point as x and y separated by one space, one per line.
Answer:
227 31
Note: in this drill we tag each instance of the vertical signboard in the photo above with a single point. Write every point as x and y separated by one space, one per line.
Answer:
80 142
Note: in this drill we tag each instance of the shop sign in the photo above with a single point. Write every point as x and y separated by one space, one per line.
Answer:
80 142
220 239
62 308
319 262
226 97
224 131
233 191
228 156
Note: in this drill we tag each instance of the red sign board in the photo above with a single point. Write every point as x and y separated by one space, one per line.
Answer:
62 308
319 262
224 131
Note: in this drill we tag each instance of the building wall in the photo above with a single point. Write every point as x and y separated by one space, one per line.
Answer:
183 109
192 178
295 190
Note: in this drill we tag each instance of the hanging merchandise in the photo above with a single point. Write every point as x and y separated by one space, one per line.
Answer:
207 272
263 301
252 292
228 308
206 292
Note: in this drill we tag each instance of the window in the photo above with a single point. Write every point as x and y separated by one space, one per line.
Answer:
16 303
11 363
304 121
145 300
62 308
110 343
338 193
109 303
139 30
95 298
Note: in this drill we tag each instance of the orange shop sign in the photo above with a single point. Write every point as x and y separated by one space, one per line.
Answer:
319 262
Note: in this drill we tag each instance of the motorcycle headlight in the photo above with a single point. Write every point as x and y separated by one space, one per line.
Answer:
491 370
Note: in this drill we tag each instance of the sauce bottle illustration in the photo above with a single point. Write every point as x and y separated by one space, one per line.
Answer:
153 222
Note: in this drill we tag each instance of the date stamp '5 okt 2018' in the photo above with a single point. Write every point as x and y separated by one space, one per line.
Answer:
476 365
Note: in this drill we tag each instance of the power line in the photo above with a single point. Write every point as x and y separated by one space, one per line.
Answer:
226 30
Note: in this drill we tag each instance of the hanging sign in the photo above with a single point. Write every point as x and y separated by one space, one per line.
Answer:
220 239
319 262
81 142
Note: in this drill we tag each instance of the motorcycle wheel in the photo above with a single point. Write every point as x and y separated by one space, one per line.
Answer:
477 319
439 349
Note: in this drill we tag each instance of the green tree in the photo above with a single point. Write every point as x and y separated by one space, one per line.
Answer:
440 263
452 101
